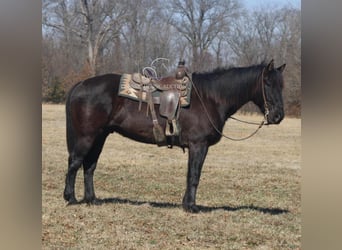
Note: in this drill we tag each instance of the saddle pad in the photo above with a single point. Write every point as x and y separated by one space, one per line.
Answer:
125 90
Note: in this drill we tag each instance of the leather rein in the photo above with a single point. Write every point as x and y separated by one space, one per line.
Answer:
263 122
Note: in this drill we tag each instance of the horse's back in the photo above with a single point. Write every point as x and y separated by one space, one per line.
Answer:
93 87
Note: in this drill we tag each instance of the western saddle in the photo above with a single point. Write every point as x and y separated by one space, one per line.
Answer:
171 91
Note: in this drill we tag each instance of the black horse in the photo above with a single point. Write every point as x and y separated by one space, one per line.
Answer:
94 110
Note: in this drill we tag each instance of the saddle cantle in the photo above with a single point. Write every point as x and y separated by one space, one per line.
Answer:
170 93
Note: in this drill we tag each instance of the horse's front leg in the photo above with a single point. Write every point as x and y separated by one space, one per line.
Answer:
197 154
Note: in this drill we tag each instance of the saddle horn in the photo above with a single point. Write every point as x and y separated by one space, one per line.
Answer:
181 70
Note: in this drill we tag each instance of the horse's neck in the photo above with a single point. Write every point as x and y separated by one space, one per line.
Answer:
244 92
228 99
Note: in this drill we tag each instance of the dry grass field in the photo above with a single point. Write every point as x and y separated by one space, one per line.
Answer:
249 192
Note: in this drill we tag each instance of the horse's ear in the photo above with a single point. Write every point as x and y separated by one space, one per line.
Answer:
270 66
281 68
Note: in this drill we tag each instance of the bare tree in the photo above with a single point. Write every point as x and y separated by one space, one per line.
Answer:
61 24
290 52
242 39
266 24
86 22
138 30
200 22
101 18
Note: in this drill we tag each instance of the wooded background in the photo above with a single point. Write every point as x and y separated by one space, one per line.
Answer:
83 38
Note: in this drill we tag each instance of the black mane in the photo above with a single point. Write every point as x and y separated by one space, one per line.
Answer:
231 83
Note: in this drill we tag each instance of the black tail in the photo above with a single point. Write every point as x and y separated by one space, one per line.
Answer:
69 127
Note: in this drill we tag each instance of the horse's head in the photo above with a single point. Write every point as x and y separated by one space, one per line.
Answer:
271 102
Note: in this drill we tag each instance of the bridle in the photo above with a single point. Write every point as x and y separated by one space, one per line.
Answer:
267 111
263 122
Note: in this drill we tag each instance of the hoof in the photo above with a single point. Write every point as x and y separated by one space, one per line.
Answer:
191 209
72 201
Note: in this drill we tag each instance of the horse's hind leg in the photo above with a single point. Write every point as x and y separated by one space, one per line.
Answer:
74 163
89 165
76 156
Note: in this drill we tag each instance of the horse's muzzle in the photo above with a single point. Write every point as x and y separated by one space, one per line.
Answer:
275 117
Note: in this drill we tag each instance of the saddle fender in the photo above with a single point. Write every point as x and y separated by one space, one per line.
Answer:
169 100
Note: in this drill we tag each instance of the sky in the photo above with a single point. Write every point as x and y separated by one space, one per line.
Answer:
257 4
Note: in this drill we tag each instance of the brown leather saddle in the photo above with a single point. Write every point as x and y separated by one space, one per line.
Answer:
170 93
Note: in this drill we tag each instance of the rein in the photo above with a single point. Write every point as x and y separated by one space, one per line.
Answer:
264 121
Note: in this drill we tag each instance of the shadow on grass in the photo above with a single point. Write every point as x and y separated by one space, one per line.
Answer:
203 209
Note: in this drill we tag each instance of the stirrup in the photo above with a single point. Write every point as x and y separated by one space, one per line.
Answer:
172 129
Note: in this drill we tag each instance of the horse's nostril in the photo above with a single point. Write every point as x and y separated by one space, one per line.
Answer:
278 118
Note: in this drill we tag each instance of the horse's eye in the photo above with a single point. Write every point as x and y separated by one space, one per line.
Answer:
268 83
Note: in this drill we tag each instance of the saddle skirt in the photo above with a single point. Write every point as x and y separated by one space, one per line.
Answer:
137 87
